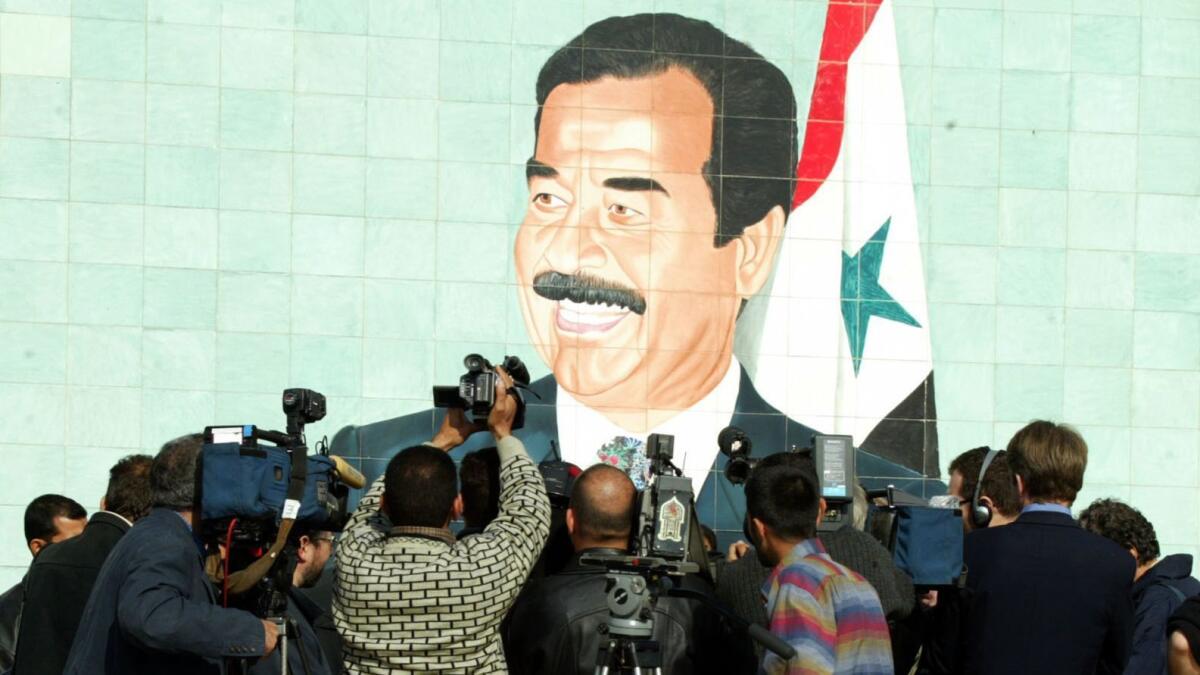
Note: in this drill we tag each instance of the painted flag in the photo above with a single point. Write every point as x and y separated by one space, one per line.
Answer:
843 344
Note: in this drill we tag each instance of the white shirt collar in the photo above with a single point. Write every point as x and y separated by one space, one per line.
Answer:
582 431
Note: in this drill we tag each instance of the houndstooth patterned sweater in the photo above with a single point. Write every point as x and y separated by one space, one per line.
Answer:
405 603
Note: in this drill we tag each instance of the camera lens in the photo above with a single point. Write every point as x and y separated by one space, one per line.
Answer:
737 471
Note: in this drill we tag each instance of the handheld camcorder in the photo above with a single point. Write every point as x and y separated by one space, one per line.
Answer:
254 486
476 390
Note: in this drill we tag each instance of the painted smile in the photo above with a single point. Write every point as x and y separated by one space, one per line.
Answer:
580 317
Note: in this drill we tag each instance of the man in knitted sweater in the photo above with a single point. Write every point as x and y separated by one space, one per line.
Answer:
408 597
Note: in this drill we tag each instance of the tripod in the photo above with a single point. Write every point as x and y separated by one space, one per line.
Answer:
630 628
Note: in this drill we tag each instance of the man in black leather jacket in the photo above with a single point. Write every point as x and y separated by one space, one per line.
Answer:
554 625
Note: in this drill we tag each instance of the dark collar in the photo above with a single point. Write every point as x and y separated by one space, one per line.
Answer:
1172 567
1045 518
110 519
574 566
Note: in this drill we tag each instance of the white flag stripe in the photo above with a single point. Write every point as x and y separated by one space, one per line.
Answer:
804 358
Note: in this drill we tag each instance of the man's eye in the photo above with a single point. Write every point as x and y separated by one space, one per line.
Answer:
547 200
624 211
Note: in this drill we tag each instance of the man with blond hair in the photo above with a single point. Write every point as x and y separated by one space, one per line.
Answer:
1047 596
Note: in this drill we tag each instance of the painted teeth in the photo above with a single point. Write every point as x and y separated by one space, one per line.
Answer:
604 310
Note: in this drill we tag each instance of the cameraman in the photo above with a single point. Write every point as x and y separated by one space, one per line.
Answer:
555 624
411 598
152 609
305 656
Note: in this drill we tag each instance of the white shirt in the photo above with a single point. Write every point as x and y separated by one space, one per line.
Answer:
582 431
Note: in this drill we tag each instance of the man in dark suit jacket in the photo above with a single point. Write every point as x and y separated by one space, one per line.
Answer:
61 579
49 519
1046 595
152 609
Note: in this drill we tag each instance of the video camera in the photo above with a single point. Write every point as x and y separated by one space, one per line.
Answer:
255 487
476 390
665 543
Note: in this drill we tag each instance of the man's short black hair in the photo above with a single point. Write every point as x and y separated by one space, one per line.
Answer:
783 493
419 487
41 512
1123 524
129 493
999 483
479 481
752 157
173 473
603 500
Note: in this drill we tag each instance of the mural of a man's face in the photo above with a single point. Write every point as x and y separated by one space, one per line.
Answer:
623 291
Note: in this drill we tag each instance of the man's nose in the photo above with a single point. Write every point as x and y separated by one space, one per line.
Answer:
575 244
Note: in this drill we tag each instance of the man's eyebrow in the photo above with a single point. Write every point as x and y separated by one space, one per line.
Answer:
635 184
536 169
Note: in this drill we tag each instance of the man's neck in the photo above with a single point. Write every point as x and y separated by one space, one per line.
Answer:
588 545
643 402
1142 568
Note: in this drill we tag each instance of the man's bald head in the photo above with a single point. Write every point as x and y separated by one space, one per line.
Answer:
602 500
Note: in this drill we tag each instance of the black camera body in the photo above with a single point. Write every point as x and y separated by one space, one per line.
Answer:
476 390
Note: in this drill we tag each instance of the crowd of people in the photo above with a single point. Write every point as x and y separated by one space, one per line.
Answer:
127 590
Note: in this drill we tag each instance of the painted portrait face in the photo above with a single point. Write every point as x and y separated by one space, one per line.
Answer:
622 289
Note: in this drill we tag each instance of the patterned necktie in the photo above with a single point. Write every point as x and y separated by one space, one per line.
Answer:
628 454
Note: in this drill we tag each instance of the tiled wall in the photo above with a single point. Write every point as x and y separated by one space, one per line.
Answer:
203 202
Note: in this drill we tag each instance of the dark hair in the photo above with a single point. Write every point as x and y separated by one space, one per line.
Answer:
752 156
173 473
1050 459
999 485
782 491
603 500
1123 524
479 480
41 512
129 492
419 487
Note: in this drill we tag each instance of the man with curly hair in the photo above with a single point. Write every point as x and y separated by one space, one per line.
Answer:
1160 584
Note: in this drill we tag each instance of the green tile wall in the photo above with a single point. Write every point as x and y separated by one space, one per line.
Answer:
202 202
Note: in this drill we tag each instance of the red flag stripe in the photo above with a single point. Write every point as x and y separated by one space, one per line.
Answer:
846 22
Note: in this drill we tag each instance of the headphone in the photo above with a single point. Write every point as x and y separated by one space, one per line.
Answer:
981 514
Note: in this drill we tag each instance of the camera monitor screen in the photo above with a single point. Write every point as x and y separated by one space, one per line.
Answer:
835 463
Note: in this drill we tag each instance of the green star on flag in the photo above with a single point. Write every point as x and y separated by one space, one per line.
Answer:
863 297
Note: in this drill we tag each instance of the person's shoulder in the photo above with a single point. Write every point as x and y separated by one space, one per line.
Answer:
561 596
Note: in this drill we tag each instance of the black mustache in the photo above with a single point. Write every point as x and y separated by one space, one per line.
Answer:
587 288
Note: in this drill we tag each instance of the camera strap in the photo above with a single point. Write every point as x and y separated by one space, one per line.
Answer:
245 579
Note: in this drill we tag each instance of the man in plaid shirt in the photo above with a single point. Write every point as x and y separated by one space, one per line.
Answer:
407 596
829 614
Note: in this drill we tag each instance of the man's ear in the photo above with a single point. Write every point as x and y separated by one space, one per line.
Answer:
301 556
103 503
987 501
756 249
759 528
457 509
570 520
1020 486
383 502
821 506
36 545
